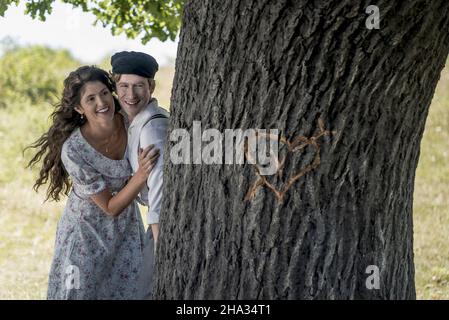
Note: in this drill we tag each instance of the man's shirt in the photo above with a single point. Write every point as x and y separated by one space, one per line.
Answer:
142 133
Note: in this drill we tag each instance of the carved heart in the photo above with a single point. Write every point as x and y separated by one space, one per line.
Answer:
293 146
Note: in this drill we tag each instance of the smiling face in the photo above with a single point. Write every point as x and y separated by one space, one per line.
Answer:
96 102
134 93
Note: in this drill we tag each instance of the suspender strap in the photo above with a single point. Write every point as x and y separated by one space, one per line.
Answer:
154 116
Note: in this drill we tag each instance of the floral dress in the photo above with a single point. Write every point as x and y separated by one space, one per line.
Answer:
97 256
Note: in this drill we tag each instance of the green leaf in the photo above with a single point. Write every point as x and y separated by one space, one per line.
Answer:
145 19
5 4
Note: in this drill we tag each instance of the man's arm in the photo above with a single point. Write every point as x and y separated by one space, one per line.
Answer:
155 133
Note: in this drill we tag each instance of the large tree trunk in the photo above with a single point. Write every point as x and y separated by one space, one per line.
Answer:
285 65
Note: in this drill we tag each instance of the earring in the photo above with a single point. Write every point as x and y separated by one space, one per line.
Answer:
82 116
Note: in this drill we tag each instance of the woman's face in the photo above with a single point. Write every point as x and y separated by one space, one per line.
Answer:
96 103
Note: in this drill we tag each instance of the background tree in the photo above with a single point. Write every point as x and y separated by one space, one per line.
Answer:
136 18
286 65
33 74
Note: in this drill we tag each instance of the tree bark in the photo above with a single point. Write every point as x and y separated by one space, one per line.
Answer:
285 65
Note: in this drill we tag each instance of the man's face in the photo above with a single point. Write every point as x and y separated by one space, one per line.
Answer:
134 93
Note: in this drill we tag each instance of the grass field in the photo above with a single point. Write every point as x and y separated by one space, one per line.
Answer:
27 226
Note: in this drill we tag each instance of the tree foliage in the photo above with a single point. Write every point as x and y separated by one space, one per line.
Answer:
135 18
33 74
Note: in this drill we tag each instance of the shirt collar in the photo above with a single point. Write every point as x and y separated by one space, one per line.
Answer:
125 118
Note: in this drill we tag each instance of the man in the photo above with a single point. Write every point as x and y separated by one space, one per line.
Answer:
133 73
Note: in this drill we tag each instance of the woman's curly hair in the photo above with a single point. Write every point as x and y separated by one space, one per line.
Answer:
65 120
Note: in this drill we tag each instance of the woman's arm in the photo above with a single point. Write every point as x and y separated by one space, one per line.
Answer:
114 205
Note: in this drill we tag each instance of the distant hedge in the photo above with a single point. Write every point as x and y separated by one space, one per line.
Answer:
34 74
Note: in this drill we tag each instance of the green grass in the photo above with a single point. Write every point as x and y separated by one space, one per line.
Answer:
27 226
431 200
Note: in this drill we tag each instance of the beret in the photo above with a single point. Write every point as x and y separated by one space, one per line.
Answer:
131 62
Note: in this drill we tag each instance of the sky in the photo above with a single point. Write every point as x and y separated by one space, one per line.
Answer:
71 28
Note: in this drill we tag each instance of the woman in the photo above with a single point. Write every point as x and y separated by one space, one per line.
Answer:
100 236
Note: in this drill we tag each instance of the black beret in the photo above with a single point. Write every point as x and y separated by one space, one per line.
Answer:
131 62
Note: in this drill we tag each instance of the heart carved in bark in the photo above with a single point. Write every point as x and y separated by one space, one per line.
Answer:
293 146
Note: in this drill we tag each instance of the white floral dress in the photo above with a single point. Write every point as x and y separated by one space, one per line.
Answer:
96 256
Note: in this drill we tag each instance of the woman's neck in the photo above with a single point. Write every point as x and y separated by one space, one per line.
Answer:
100 131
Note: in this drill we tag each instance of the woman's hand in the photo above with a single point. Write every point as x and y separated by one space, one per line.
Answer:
114 205
147 159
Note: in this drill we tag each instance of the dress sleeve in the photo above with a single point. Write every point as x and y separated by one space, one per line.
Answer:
155 134
87 179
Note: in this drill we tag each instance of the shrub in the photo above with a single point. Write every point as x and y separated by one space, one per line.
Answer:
33 74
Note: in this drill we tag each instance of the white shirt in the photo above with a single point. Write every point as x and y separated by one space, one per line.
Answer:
143 133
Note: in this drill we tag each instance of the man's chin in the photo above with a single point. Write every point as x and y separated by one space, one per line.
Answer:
132 110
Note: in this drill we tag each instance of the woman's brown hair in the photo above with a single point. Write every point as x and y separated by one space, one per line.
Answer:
64 121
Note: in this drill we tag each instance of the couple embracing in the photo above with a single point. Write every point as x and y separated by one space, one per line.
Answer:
106 150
